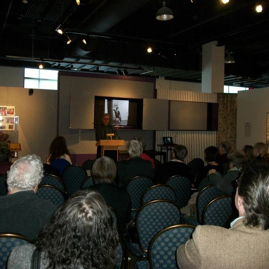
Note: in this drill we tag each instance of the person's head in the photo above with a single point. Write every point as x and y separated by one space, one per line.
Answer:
81 234
236 160
58 148
248 152
135 148
140 139
104 170
180 152
25 174
211 154
106 119
260 149
224 147
252 196
5 154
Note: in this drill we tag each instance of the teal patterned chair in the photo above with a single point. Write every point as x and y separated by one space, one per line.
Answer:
87 182
7 243
156 192
3 186
51 194
217 211
206 195
164 244
73 176
182 187
87 165
150 219
52 180
136 187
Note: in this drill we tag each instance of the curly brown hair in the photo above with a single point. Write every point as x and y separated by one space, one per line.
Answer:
80 234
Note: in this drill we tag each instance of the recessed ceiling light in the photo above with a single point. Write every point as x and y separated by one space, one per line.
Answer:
258 8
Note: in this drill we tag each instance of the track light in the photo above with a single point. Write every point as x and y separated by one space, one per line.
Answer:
164 13
84 41
68 41
83 2
259 8
41 66
60 31
229 59
225 1
149 50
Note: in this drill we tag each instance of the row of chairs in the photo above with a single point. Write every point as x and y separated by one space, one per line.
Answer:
9 241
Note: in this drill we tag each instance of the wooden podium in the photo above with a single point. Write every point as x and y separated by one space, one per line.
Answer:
110 148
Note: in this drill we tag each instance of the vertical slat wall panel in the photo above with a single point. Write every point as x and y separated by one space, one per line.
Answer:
195 141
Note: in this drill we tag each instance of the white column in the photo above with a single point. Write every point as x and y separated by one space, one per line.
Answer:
212 68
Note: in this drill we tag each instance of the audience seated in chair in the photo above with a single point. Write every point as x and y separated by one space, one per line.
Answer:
211 157
176 166
81 234
227 183
21 211
247 151
224 149
143 155
5 164
135 166
58 150
246 243
260 152
104 172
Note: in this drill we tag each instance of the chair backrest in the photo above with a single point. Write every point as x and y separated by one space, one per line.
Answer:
87 182
3 186
136 187
73 176
157 192
51 194
7 243
164 244
87 165
206 195
217 211
182 187
153 217
49 169
60 165
52 180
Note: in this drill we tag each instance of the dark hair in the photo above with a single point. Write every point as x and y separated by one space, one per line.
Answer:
58 148
81 233
237 159
180 152
248 150
104 170
253 188
211 154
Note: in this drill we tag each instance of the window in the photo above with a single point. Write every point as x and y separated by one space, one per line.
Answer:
234 89
40 79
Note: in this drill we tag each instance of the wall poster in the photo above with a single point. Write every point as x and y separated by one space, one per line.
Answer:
7 120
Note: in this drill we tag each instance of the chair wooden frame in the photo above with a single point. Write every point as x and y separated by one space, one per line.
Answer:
161 232
154 187
210 203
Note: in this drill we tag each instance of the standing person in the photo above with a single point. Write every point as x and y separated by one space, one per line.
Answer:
104 172
135 166
176 166
21 211
58 150
260 152
81 234
246 243
102 130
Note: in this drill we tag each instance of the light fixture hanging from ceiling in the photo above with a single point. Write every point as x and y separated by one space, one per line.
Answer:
164 13
229 59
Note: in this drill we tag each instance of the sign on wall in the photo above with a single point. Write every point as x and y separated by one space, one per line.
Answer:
7 120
